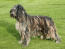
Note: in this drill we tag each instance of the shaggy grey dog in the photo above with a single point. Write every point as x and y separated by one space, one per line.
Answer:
28 26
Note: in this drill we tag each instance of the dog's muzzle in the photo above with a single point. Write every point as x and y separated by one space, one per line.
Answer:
12 14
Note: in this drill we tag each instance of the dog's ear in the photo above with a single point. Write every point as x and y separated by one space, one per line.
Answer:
21 10
19 7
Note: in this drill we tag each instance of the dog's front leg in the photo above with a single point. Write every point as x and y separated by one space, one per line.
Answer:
26 37
21 32
18 28
21 36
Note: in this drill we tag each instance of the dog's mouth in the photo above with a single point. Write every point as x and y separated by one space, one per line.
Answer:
12 15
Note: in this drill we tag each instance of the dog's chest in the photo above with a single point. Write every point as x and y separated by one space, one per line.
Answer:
17 25
20 26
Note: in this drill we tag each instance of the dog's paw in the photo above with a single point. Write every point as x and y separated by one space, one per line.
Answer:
57 41
41 37
20 42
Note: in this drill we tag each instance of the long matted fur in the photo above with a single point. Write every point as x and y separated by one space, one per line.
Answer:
33 25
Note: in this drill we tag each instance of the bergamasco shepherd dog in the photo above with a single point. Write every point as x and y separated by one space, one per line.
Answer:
28 26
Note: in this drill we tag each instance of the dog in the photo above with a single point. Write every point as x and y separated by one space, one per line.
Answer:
28 26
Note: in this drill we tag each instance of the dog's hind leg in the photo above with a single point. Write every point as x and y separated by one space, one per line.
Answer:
57 37
54 35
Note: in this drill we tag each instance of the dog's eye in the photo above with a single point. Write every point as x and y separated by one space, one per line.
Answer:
14 10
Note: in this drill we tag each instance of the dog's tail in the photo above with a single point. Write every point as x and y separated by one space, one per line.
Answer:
56 36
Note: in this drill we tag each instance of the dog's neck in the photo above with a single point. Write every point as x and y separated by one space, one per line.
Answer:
22 19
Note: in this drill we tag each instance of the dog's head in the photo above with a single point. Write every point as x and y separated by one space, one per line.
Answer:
17 11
